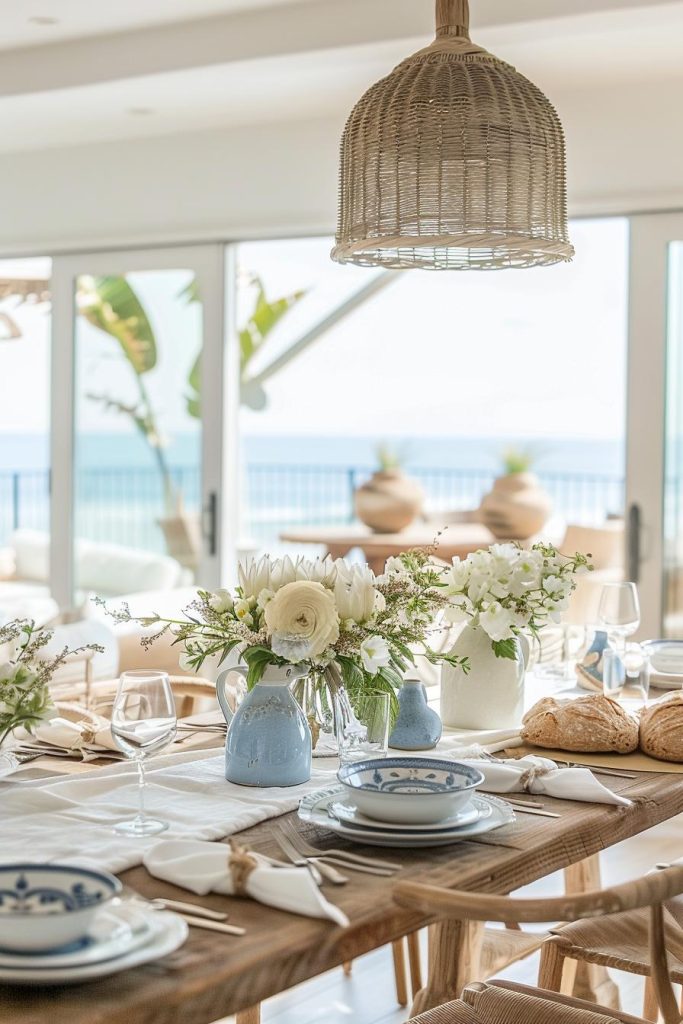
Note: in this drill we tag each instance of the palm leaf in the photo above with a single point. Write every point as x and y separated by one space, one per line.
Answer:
110 304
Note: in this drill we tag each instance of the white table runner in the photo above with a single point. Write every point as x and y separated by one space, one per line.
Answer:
72 819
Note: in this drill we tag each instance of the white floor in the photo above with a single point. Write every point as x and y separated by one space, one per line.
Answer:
368 996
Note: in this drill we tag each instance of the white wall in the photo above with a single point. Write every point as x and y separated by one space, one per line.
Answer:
625 153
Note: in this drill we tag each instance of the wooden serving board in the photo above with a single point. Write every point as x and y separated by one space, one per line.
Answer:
636 762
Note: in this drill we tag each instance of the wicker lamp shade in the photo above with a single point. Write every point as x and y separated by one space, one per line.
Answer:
453 161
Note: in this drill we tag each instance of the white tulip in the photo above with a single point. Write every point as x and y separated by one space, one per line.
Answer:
254 576
374 653
355 593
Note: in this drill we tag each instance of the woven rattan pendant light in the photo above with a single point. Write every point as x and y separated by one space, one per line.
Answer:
454 161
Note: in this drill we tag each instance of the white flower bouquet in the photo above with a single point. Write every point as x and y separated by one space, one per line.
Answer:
508 590
25 675
344 624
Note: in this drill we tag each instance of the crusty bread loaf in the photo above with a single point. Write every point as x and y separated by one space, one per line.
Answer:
593 723
661 729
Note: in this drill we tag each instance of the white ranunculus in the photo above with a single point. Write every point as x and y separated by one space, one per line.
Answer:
555 586
254 576
221 601
374 653
355 593
496 622
302 620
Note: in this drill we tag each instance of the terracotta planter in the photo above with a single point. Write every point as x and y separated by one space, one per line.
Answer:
516 508
389 501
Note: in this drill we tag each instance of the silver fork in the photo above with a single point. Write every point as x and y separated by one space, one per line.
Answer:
296 858
343 857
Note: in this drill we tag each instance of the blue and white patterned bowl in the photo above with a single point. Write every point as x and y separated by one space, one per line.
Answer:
409 790
49 906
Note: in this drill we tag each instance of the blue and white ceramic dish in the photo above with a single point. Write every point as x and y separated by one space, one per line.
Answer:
47 906
409 790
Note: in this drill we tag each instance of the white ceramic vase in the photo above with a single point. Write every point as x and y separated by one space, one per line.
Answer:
491 694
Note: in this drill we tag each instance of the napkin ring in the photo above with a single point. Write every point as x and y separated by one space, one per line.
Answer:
529 776
241 864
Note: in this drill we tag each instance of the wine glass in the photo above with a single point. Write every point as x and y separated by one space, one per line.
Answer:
143 721
619 612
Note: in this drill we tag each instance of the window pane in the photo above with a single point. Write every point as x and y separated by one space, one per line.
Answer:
25 436
138 441
447 370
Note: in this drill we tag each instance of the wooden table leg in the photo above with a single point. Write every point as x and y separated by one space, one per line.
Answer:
454 954
592 981
415 962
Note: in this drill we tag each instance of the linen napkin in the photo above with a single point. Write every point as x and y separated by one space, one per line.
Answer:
213 867
75 729
533 774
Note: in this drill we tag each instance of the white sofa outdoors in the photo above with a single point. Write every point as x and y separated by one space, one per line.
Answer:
100 568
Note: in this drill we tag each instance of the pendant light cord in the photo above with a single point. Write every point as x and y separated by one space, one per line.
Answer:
453 18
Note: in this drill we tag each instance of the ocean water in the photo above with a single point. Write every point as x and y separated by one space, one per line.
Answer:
289 482
119 450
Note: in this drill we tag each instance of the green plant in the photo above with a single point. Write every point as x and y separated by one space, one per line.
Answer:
265 315
111 305
25 675
389 458
518 460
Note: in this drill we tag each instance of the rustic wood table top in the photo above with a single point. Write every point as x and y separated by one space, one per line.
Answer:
214 975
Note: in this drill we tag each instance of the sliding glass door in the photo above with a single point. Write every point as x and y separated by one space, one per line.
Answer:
141 442
655 427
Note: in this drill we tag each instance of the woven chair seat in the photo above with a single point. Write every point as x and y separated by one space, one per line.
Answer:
507 1003
621 940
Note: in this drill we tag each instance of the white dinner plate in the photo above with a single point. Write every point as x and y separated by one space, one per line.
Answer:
316 808
167 932
115 932
347 812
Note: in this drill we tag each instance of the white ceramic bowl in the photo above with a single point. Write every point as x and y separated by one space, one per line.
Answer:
47 906
409 790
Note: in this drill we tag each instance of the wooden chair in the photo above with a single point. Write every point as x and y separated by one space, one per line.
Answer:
620 942
503 1003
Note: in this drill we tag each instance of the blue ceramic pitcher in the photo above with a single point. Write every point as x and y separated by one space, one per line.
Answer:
269 741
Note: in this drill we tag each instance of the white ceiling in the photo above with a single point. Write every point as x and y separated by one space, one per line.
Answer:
293 75
77 18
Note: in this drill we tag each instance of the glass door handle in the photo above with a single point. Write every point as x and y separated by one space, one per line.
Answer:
634 526
211 523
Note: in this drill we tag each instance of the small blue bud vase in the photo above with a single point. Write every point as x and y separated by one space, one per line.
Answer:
269 740
418 727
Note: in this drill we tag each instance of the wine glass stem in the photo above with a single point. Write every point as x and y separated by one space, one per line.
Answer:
142 816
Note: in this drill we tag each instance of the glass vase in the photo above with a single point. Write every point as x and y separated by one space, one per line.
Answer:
315 695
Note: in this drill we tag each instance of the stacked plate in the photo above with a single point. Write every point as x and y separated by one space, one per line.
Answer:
60 924
406 802
119 937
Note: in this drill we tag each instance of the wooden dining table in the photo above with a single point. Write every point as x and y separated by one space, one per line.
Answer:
214 975
455 541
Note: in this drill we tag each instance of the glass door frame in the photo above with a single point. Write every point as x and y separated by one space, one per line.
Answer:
213 266
651 237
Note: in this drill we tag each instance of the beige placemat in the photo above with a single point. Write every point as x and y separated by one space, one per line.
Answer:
636 762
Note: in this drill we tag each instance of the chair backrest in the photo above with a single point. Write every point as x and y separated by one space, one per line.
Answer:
650 891
605 543
500 1002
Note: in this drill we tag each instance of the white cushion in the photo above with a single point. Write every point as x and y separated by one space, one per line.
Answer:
31 555
105 569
